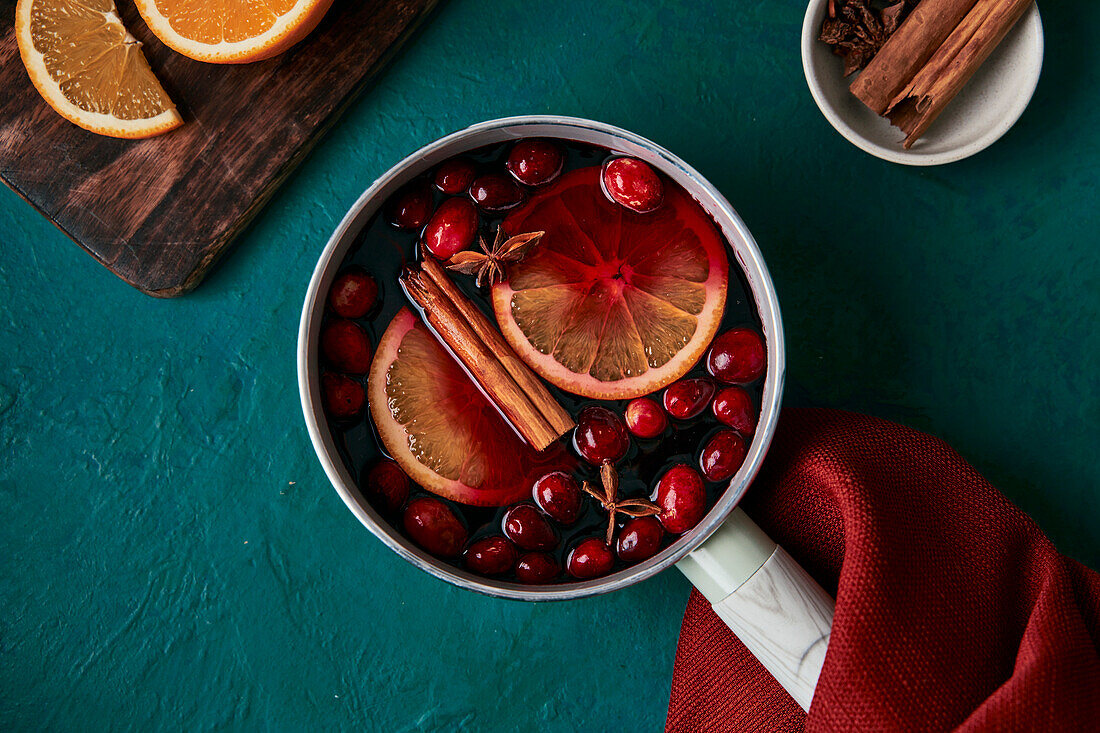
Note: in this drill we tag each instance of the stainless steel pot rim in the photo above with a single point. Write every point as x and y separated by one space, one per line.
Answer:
746 252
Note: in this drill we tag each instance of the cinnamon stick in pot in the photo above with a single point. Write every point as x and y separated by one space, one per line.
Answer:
907 50
556 415
478 359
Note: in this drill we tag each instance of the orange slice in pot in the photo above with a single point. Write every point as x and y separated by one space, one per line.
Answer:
92 72
612 304
231 31
441 429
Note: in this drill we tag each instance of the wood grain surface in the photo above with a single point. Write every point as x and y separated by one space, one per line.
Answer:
785 619
159 212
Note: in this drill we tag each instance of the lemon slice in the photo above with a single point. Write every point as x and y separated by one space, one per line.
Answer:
231 31
85 64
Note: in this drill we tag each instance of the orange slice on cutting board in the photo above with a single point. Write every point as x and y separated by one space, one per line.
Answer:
231 31
612 304
87 67
435 422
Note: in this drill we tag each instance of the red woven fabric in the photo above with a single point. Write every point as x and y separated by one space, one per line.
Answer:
953 610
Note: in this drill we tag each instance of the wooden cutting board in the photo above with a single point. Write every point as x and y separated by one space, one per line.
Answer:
160 212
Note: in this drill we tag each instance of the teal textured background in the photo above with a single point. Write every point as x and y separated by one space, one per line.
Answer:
173 556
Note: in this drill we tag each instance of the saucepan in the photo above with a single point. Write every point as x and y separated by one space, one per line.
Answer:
765 597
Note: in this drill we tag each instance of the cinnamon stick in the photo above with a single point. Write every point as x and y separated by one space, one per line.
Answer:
560 421
907 50
915 107
490 375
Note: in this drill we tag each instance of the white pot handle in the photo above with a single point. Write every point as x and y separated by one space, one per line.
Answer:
773 606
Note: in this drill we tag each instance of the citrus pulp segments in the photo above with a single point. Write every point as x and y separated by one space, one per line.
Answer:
255 31
91 38
441 429
612 304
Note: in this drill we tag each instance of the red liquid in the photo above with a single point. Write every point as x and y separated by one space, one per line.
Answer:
382 250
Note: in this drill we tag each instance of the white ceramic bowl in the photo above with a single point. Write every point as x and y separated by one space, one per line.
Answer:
983 111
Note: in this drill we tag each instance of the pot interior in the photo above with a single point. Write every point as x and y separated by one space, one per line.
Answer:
745 254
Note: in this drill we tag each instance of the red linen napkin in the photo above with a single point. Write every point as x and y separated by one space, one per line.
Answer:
953 610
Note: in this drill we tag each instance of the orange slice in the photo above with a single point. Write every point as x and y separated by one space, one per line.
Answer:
87 67
440 428
612 304
231 31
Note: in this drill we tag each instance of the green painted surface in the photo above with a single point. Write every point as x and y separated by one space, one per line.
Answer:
173 556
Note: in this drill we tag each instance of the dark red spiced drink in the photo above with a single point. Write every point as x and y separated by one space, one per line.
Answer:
539 363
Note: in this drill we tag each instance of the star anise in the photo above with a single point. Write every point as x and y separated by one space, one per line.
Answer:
857 29
609 500
488 265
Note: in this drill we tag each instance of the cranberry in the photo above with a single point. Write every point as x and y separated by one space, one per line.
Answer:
559 495
346 346
491 556
387 484
344 397
639 539
524 525
590 559
411 207
454 176
353 294
494 192
733 406
434 526
722 455
645 418
737 356
534 162
600 435
633 184
452 229
688 397
682 498
537 567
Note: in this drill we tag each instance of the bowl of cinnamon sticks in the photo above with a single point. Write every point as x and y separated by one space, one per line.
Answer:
922 82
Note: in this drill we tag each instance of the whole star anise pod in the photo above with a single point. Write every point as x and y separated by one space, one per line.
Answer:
488 265
609 499
857 29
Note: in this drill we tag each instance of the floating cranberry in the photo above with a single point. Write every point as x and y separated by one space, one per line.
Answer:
411 207
387 484
737 356
733 406
353 294
454 176
645 418
346 346
452 229
633 184
722 456
524 525
639 539
434 526
590 559
600 435
682 498
688 397
559 495
494 192
537 567
344 397
491 556
534 162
